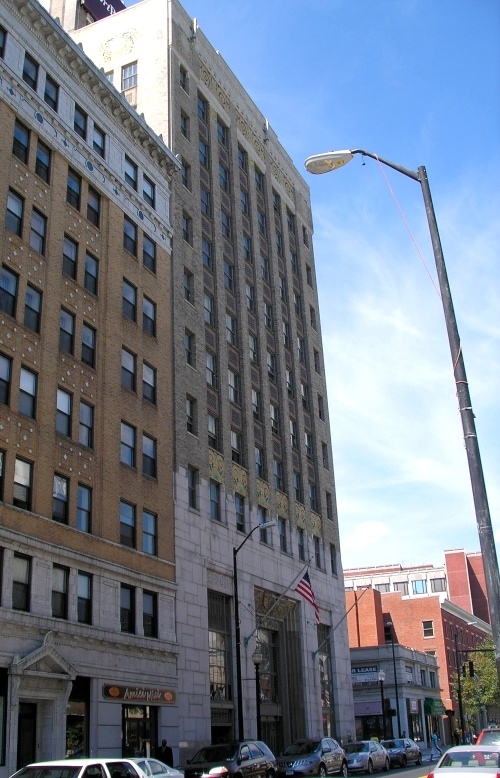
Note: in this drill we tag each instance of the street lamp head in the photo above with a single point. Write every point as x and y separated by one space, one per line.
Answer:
381 675
257 657
267 524
329 160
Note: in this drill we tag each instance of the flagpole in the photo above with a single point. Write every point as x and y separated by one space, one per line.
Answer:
273 606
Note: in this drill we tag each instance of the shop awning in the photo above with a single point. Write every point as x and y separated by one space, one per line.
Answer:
433 707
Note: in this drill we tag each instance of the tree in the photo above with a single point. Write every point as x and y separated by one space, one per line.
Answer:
483 689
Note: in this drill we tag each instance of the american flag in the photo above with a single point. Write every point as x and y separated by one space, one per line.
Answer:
305 589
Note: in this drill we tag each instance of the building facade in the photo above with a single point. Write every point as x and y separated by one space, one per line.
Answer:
252 441
88 646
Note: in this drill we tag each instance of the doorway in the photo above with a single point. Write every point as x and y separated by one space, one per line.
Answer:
26 734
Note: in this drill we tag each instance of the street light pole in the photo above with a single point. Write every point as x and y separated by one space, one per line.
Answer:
331 160
237 627
459 687
381 677
257 659
396 691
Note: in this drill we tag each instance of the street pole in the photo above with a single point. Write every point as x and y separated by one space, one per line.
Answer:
381 677
331 160
459 687
257 659
396 690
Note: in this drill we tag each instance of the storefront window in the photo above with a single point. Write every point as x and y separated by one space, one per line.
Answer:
77 725
139 730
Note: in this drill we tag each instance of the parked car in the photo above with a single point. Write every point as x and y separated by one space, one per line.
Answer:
402 750
245 758
82 768
320 756
490 736
367 756
153 768
468 762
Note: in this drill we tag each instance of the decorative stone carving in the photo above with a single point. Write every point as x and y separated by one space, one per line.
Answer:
216 465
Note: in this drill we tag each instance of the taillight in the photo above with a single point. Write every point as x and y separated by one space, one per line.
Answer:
431 775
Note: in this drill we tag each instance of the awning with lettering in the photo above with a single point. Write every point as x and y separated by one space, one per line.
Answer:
434 707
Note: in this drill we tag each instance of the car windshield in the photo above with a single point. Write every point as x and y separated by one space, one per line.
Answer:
355 748
302 748
391 744
223 753
472 758
54 771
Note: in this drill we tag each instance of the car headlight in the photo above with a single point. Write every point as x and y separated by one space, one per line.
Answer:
218 771
301 762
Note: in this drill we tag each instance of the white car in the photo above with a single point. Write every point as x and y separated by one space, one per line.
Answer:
468 762
156 769
82 768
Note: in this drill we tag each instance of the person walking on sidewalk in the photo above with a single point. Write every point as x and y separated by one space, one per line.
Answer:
435 745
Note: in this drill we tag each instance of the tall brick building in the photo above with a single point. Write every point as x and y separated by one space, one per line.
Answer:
87 555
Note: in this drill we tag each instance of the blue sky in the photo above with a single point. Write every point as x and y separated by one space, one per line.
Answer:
415 81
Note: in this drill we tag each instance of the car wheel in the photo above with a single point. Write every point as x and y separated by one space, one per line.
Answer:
344 770
404 761
387 765
270 774
322 771
419 759
369 767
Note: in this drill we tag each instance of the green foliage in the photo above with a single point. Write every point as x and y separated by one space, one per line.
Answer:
484 688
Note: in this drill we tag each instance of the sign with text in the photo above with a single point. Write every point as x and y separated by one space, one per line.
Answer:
100 9
364 674
138 694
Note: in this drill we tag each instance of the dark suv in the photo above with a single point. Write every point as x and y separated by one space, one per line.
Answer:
241 759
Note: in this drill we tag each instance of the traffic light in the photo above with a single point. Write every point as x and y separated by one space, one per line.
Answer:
464 670
471 669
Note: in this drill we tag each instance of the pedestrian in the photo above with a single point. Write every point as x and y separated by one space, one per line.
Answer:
164 753
435 745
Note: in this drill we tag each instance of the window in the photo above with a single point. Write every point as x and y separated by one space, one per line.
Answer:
185 125
313 501
215 513
252 348
224 177
21 583
290 219
283 290
317 362
38 231
130 172
261 222
127 445
317 553
149 316
301 543
259 462
127 524
324 450
59 592
401 586
428 629
128 370
43 161
129 300
86 425
265 269
268 316
129 76
278 474
213 431
84 602
259 180
309 277
186 174
312 314
301 349
239 507
127 609
250 297
3 38
27 393
23 475
294 263
32 308
205 201
187 228
51 93
329 506
60 499
271 365
308 444
293 434
148 383
244 202
191 415
276 203
202 108
208 308
423 679
282 530
206 253
256 403
73 189
149 533
304 392
438 584
228 276
275 422
80 122
290 383
94 207
129 235
70 257
183 79
236 447
148 191
233 380
247 248
305 237
203 153
88 345
432 679
263 533
150 614
225 221
149 456
222 133
242 159
30 71
321 408
99 141
287 338
230 329
211 371
192 479
63 413
188 286
21 144
84 508
8 291
91 276
419 587
297 304
14 215
297 486
383 587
